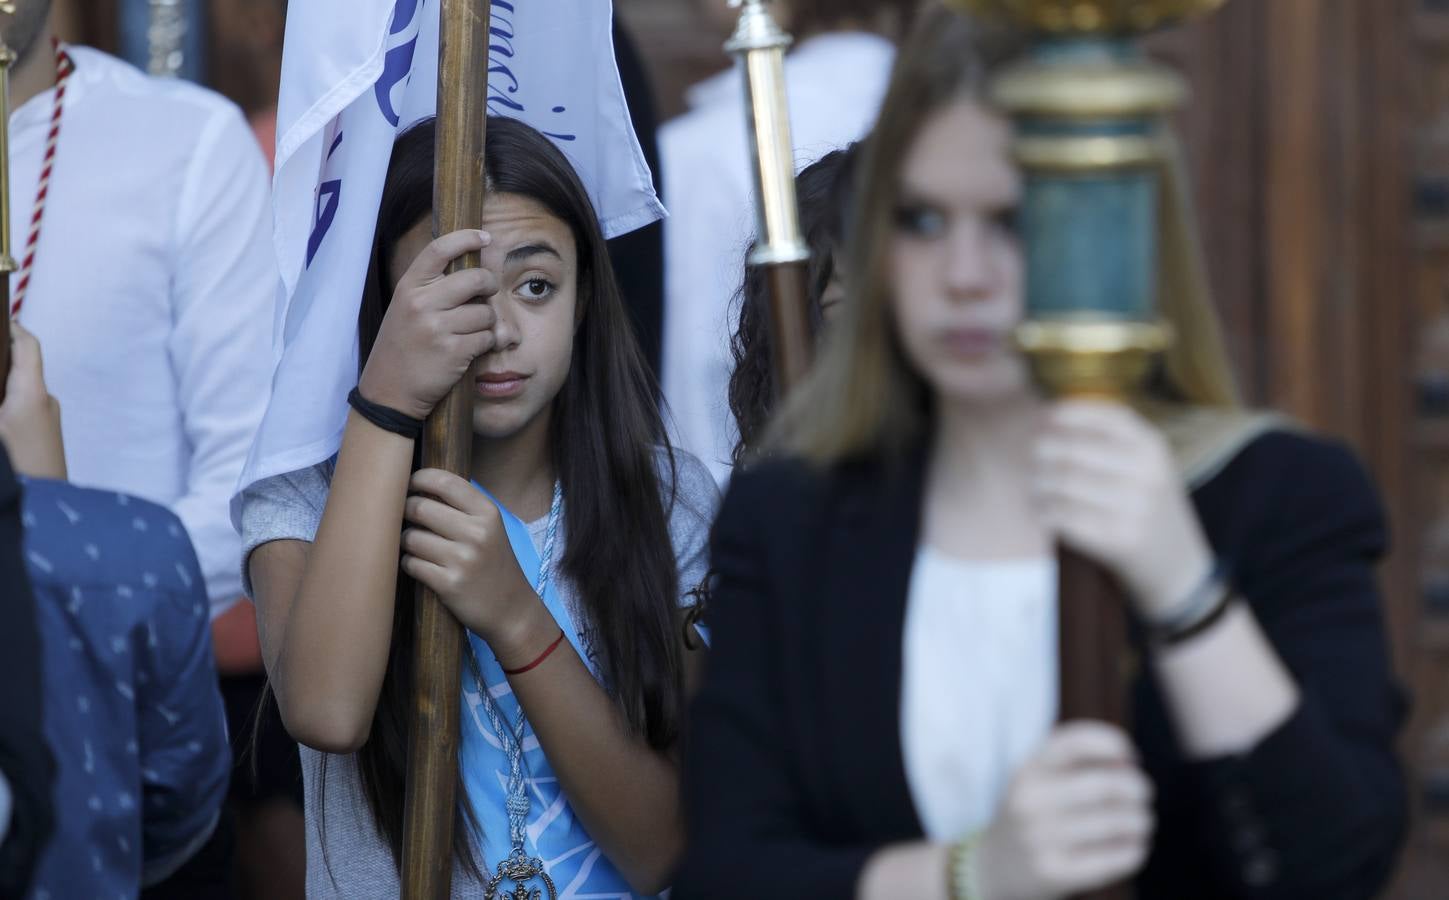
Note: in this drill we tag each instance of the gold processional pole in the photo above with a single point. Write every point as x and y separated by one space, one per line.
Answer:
458 192
760 44
8 265
166 32
1091 114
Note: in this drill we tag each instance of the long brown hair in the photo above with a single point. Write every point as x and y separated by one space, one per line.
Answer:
607 435
824 192
863 396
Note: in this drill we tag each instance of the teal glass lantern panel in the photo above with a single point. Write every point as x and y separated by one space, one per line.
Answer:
1090 244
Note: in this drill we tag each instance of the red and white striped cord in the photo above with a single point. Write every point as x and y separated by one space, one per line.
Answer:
64 66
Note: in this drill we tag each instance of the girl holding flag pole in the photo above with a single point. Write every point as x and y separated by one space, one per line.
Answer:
567 558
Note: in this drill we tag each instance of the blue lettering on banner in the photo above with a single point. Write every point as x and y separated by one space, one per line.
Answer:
329 194
503 84
402 15
501 79
397 65
561 137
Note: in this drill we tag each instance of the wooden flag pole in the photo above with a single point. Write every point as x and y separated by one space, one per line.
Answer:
433 733
780 250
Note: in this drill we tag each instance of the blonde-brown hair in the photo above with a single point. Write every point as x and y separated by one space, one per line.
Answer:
863 396
808 16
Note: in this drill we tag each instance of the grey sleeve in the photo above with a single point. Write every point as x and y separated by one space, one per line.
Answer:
281 508
695 500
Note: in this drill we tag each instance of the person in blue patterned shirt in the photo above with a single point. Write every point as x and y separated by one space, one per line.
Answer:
26 766
132 711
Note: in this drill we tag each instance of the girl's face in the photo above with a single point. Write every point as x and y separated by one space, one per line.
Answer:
955 266
534 254
832 299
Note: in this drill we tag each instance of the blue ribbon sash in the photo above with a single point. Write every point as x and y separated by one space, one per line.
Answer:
575 863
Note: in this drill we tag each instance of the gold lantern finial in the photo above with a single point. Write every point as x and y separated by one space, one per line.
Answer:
1088 17
1090 108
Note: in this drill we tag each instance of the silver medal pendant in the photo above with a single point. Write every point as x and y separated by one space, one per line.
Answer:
520 870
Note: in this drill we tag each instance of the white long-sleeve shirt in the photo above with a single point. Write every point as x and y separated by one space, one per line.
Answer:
835 84
153 291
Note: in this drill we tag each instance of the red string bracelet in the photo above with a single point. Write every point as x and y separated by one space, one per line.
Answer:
541 657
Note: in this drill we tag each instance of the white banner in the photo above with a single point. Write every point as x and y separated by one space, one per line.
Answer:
355 73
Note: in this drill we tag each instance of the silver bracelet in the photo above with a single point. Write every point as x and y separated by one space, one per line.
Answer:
1203 605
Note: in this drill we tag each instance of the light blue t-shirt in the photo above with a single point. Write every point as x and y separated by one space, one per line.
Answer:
346 857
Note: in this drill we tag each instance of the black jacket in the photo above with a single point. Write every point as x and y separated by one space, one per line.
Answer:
794 771
25 759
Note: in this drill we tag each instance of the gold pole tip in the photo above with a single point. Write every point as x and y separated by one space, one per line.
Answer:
1087 17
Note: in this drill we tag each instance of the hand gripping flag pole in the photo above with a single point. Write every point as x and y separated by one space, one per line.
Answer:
458 188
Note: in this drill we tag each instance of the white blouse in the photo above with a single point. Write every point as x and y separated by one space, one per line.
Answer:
979 683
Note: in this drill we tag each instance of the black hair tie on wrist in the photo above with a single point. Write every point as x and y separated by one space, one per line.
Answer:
385 417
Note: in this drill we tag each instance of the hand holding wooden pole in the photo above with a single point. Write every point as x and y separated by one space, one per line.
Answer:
433 733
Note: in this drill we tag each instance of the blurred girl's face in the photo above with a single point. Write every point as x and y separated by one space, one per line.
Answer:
534 254
833 297
955 266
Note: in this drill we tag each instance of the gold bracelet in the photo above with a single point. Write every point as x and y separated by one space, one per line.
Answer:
962 877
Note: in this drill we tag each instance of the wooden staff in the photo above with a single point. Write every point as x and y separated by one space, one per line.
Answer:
8 265
1089 353
1092 641
458 191
760 44
1089 112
